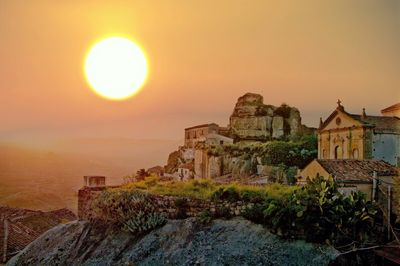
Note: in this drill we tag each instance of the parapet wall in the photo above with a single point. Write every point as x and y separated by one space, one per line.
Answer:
171 206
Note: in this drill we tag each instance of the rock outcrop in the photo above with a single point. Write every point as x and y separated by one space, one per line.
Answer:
255 121
179 242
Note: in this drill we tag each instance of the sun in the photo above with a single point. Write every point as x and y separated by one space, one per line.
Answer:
116 68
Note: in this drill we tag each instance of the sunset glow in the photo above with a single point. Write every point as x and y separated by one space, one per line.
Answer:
116 68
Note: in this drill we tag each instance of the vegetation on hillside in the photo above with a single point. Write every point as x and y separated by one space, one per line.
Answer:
208 189
289 153
286 155
317 212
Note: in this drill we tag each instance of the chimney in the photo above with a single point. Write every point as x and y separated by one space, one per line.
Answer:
320 122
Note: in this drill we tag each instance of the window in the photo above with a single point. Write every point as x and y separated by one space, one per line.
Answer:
324 154
221 142
355 153
338 152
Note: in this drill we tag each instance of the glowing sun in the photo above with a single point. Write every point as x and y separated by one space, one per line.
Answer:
116 68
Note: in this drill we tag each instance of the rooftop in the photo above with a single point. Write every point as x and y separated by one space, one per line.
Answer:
391 108
349 170
203 125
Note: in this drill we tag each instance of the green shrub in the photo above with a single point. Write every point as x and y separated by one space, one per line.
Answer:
181 204
229 194
206 217
318 213
131 210
143 222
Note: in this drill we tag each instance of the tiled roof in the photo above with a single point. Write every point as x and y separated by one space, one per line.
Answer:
391 108
380 123
203 125
19 227
348 170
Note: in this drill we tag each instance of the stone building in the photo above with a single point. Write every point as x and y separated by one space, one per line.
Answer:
94 181
350 174
184 172
352 136
198 133
208 133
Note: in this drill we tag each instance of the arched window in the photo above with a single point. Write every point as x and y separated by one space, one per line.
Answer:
355 153
324 154
338 152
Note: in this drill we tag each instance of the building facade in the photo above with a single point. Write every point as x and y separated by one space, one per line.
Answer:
349 174
351 136
208 133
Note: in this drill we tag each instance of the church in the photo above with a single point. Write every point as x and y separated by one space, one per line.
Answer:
361 136
356 148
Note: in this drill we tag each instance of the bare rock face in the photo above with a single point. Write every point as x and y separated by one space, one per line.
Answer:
253 120
179 242
173 162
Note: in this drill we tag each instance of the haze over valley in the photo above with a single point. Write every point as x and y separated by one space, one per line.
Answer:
49 178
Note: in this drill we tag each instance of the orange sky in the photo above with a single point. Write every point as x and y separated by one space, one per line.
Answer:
203 55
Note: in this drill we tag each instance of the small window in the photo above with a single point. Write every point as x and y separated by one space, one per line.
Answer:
324 154
221 142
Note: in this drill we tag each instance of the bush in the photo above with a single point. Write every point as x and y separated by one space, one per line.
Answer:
318 213
229 194
143 222
130 210
206 217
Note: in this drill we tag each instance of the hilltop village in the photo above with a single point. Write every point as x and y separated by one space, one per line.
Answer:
264 144
266 168
212 151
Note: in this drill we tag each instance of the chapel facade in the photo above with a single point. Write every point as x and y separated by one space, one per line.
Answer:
352 136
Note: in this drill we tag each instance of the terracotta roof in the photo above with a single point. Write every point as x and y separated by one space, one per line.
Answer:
348 170
380 123
391 108
19 227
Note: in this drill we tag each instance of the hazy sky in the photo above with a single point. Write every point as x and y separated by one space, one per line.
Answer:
203 55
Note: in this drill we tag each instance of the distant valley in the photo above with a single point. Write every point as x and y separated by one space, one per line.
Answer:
48 179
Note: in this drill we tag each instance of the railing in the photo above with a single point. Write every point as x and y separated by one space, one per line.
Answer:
382 194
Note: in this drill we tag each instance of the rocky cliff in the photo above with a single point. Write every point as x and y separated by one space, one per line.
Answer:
255 121
179 242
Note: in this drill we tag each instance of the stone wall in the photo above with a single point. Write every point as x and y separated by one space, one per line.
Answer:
171 206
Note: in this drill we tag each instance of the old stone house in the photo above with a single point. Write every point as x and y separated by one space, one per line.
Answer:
94 181
185 172
350 174
210 133
360 136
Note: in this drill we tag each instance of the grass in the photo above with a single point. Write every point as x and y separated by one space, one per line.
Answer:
208 189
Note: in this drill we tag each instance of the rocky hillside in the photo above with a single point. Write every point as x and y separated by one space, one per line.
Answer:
179 242
253 120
